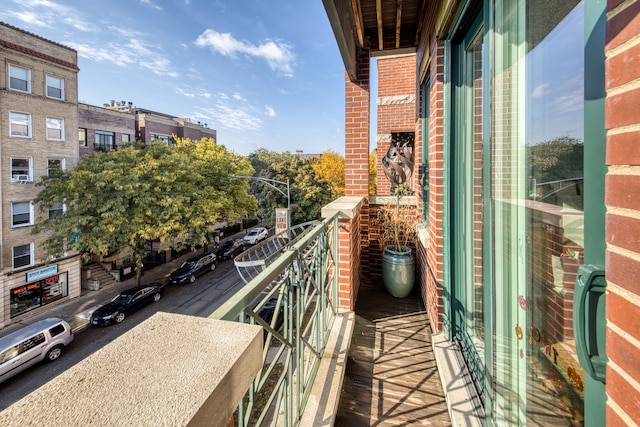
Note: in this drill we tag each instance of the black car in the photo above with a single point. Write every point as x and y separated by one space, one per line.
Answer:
194 267
125 303
231 248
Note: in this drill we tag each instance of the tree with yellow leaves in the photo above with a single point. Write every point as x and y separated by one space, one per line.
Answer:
330 167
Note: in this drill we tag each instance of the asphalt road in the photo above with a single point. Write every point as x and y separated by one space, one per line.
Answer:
200 298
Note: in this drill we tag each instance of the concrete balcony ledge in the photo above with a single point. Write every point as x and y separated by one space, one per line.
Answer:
171 370
348 207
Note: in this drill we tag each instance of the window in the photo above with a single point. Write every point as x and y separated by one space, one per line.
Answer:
54 164
126 137
55 129
19 79
21 214
56 330
104 141
55 210
55 87
163 138
32 342
82 137
19 125
22 255
21 169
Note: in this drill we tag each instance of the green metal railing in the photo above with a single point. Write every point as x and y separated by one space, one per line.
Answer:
295 300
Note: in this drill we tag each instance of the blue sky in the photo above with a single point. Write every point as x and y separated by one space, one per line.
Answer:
263 73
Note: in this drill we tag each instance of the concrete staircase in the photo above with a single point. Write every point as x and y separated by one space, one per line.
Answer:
95 276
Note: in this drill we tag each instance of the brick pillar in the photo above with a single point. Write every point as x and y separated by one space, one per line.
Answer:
396 110
349 257
622 187
357 122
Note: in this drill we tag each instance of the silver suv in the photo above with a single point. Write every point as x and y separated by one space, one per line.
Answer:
43 340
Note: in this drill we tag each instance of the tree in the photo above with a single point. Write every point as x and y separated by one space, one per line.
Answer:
558 160
309 192
373 172
330 168
118 201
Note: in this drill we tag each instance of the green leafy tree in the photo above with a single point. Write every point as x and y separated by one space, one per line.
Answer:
118 201
557 160
309 192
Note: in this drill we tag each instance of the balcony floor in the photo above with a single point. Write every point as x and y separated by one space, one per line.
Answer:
391 377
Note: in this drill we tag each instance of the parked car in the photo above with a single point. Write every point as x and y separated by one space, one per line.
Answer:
125 303
194 267
231 248
42 340
256 235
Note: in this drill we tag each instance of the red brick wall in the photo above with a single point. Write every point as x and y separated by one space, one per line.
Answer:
396 108
357 119
622 199
349 262
431 249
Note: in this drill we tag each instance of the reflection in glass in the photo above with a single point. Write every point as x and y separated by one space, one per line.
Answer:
537 200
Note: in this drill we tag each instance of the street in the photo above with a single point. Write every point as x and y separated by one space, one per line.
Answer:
200 298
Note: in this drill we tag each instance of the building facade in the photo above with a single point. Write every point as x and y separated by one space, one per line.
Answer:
38 132
103 129
151 125
526 174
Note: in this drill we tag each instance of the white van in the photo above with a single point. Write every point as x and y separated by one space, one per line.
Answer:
44 340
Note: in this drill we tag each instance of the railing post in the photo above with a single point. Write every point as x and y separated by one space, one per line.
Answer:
349 252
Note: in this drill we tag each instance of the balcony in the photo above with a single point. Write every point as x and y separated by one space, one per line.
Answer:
286 350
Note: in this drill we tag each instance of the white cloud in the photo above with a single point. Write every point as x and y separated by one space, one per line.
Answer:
270 111
150 3
232 113
238 97
192 94
48 14
540 90
279 56
128 53
224 116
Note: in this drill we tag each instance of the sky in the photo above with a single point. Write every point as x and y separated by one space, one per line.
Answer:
262 73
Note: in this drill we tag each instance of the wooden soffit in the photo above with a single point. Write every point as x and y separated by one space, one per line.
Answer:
386 27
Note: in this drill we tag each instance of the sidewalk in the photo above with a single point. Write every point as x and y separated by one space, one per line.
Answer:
77 312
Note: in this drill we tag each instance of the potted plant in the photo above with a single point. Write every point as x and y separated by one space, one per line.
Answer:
397 231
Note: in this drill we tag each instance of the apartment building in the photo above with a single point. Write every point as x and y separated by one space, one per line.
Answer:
152 125
107 127
38 131
103 129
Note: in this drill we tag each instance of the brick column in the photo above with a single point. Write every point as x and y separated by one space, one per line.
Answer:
357 122
622 187
349 259
396 110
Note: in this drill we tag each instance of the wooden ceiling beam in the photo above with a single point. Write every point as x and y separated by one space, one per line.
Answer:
359 23
398 22
379 18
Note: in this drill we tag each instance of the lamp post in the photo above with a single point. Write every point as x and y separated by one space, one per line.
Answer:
271 182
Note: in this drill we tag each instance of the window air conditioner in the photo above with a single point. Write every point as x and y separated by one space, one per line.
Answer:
21 178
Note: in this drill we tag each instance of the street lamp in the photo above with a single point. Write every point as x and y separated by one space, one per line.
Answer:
271 182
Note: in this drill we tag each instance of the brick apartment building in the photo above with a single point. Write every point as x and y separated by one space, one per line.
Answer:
38 131
105 128
526 173
151 125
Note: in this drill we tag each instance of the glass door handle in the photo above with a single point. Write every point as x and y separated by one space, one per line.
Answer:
589 320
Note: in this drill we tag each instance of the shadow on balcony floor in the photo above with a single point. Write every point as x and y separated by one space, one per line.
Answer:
391 377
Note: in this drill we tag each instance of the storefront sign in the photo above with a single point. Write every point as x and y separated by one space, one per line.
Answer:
41 272
281 220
